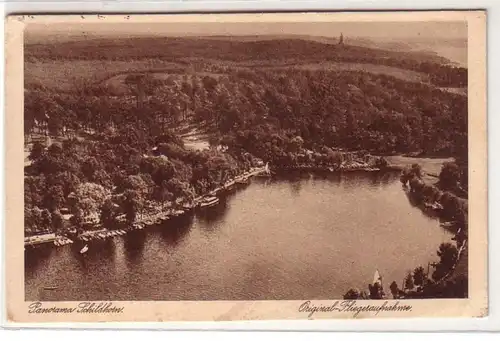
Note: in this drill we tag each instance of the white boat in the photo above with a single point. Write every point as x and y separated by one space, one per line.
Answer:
448 224
437 206
209 201
377 278
84 249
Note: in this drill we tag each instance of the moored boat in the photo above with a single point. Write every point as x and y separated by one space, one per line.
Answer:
437 206
84 249
53 287
242 181
209 201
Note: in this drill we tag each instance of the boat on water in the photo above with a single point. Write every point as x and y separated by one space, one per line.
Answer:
53 287
187 207
437 206
138 226
84 249
209 201
377 278
242 181
448 224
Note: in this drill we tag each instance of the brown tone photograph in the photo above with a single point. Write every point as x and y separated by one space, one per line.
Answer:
235 161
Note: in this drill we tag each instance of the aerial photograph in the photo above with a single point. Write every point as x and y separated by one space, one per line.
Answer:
240 161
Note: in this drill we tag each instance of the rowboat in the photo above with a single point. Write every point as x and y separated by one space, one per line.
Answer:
84 249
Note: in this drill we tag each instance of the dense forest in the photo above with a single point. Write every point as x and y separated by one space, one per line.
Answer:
125 148
186 51
112 156
352 110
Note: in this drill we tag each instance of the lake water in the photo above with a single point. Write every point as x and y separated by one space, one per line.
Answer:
305 238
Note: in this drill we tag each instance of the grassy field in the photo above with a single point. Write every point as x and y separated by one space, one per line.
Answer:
68 75
65 75
430 166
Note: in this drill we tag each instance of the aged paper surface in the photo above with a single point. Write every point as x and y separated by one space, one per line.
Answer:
130 121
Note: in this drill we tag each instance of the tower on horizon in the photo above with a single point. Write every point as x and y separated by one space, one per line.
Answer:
341 39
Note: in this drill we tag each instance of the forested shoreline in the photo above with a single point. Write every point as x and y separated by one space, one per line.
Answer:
439 199
112 156
129 152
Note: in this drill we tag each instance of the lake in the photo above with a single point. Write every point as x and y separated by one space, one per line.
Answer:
304 237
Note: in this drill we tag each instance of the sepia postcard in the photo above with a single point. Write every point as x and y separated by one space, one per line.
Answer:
220 167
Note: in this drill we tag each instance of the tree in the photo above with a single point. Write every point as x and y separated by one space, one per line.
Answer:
58 222
88 197
381 163
376 291
419 276
416 170
89 167
394 290
37 151
448 254
54 198
409 284
77 219
131 205
352 294
46 221
449 176
55 150
108 213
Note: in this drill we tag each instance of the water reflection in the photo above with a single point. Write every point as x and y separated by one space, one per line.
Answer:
133 244
99 251
275 239
417 203
34 257
295 187
176 229
211 215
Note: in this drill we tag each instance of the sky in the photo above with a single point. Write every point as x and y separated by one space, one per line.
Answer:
380 30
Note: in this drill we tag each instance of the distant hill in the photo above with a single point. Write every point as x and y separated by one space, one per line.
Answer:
454 50
237 48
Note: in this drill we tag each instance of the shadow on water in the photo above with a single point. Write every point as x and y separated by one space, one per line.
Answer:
348 179
35 256
214 214
375 179
99 251
417 203
383 179
133 244
175 230
295 187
